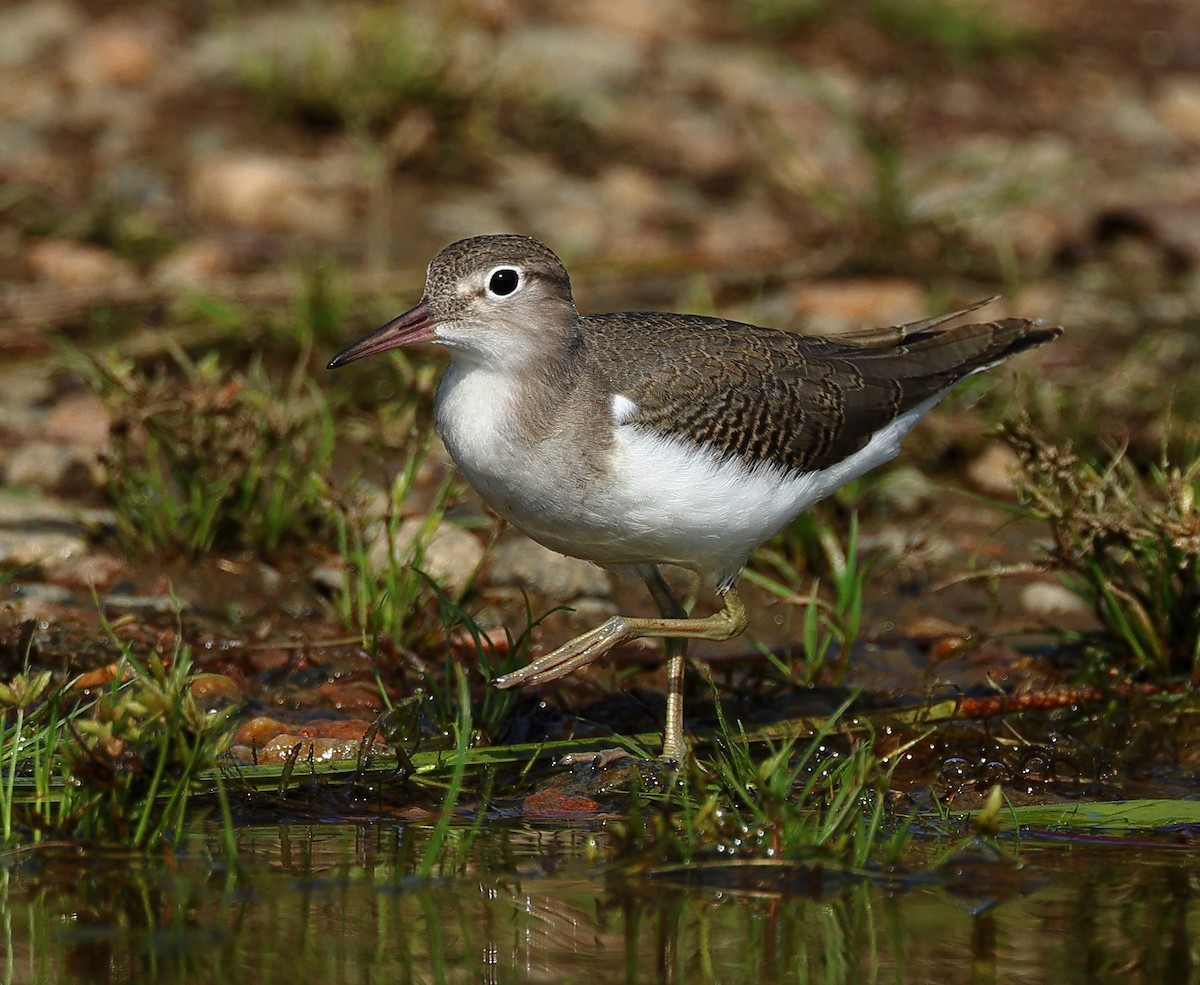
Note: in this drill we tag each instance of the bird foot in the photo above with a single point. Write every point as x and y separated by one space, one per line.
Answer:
572 655
600 760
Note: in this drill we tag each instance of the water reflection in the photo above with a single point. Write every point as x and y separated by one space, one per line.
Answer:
338 905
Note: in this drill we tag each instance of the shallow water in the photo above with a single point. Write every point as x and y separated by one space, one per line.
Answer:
335 904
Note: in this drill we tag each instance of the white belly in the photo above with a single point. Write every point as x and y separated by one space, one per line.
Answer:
658 500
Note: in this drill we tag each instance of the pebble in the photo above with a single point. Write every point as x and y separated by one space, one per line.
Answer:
328 577
24 387
281 748
36 599
71 265
56 468
352 695
450 554
160 604
660 20
196 264
96 570
1178 106
29 30
214 691
79 419
1050 600
907 491
994 471
747 230
702 144
268 740
19 509
284 194
34 548
120 53
521 562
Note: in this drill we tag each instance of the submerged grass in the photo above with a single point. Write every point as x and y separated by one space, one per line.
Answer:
119 766
1128 541
822 800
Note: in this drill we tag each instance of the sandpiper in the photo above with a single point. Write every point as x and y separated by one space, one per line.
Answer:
638 439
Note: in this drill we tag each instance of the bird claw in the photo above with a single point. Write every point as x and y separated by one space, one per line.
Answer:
572 655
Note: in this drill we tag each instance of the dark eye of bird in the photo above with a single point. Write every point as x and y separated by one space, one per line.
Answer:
504 281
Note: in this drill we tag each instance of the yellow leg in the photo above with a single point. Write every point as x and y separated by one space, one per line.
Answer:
677 628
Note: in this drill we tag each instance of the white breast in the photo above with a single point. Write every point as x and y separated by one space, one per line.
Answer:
685 505
660 499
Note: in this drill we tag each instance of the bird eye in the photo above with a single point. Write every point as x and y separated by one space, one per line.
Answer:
503 282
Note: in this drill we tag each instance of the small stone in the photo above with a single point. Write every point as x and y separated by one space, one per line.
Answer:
263 660
352 695
1178 106
526 564
907 491
196 265
267 740
1050 600
994 471
33 548
80 419
661 20
329 577
706 145
271 192
353 729
213 691
19 510
71 265
449 555
89 571
29 30
161 604
62 469
259 730
99 677
930 629
270 579
119 53
281 748
37 600
25 387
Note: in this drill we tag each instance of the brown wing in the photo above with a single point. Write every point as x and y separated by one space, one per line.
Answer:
806 402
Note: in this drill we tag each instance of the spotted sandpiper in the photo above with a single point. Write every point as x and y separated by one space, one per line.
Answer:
638 439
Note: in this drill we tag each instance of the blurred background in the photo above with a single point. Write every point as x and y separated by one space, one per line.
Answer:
200 202
812 163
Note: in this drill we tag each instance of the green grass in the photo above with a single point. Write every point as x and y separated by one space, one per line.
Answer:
784 566
359 67
388 598
117 767
964 31
203 456
1128 541
757 801
384 594
779 17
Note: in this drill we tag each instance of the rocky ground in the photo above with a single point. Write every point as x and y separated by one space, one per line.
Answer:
179 177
